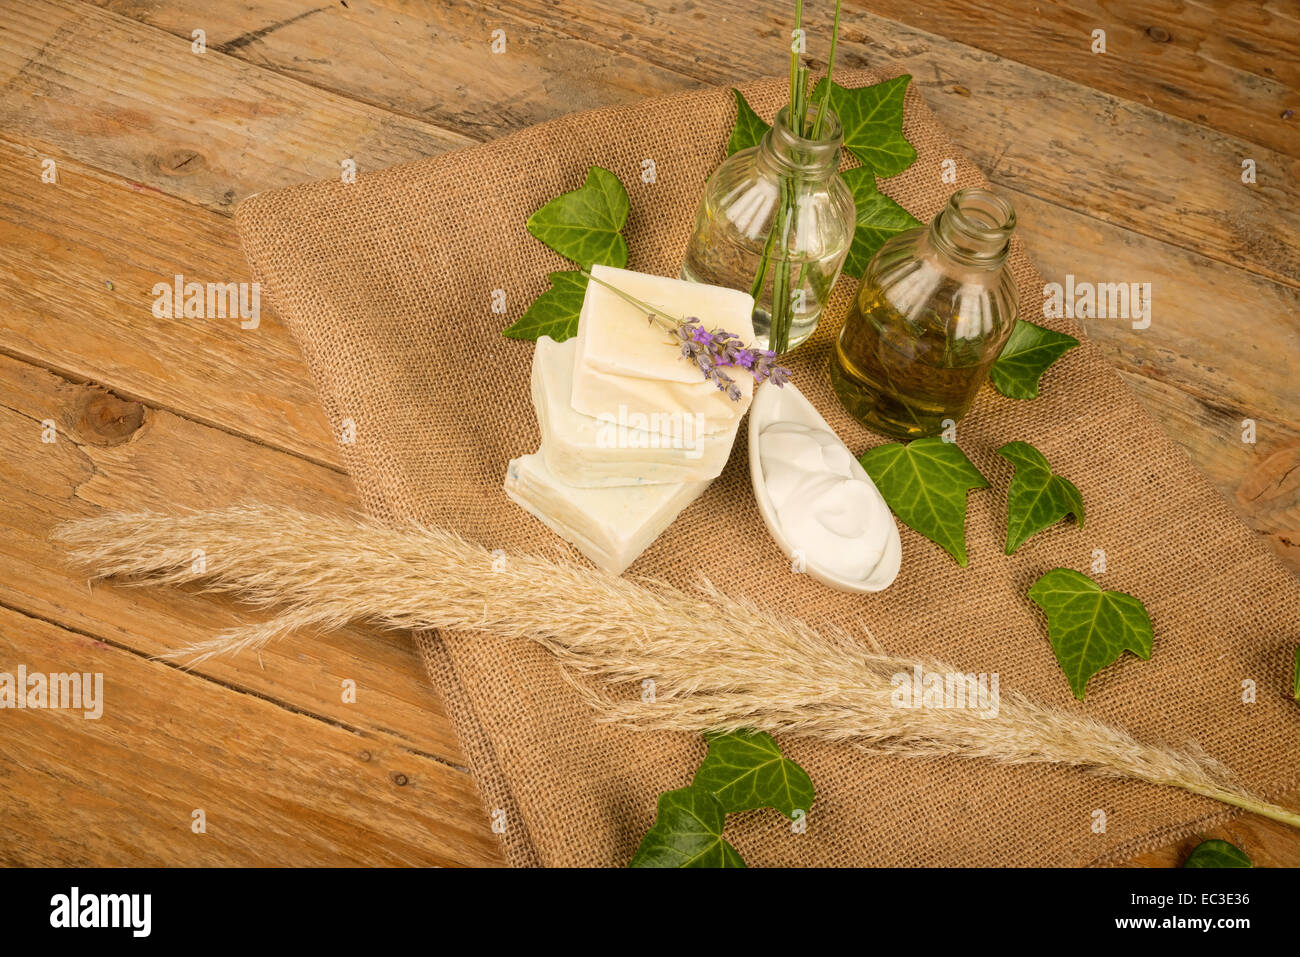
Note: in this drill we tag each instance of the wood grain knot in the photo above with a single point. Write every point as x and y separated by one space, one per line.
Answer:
180 162
104 419
1275 481
1159 34
400 779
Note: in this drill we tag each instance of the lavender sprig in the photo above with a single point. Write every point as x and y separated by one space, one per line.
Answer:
718 350
711 350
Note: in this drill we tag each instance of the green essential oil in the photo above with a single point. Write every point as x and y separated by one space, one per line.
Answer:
904 376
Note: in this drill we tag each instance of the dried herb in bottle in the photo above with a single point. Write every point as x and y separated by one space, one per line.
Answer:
935 308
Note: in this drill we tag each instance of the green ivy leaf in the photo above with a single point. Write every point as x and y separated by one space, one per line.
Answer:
583 225
687 833
1026 356
878 218
746 770
555 312
1089 628
872 119
749 128
1037 499
924 483
1217 854
1295 678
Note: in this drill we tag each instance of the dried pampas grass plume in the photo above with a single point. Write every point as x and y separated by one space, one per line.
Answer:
717 663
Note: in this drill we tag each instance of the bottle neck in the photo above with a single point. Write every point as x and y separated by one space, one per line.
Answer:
783 152
974 228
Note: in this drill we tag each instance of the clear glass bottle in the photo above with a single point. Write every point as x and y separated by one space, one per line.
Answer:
936 305
782 200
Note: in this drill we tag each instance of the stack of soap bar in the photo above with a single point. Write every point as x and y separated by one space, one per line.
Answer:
632 432
611 526
613 449
625 362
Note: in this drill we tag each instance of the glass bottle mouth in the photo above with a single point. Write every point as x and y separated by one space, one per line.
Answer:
976 225
792 153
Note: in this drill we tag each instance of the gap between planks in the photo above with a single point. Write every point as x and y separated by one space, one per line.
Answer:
226 685
1227 228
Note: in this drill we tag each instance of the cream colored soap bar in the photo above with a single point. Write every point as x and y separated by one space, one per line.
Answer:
611 526
601 453
627 365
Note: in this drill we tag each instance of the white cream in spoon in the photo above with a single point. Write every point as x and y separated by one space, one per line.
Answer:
817 500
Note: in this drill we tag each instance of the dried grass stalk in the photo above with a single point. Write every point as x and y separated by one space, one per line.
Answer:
718 663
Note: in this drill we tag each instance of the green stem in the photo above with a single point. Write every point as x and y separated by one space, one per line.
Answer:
653 311
801 111
794 53
830 73
756 287
778 337
1263 809
779 318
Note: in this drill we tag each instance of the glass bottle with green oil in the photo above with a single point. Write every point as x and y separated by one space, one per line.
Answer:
936 306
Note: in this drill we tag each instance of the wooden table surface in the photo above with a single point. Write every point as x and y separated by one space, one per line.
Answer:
1123 166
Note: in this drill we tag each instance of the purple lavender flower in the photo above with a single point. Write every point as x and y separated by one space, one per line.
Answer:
716 349
765 368
779 376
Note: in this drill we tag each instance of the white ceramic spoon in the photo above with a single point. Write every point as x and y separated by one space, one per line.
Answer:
776 405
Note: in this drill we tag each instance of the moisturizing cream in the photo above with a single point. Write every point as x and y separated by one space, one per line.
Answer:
819 503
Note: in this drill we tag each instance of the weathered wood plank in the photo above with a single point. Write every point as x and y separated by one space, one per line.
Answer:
1199 371
432 61
276 788
78 262
1120 161
80 82
1261 480
1218 333
1234 68
108 453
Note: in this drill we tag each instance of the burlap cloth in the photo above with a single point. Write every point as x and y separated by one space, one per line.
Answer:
388 286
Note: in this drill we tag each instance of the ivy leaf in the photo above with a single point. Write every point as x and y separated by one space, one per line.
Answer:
1295 679
872 119
555 312
749 128
687 833
878 218
1089 628
746 770
1026 356
1037 499
924 483
583 225
1217 854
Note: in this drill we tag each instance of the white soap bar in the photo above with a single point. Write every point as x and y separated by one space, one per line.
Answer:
611 526
627 365
600 453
